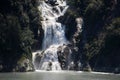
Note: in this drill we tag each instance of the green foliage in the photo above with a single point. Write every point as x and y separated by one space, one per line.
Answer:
9 39
74 2
93 47
74 7
14 39
93 11
114 27
16 36
27 39
101 19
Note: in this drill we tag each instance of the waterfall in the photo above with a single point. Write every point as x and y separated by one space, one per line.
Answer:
54 33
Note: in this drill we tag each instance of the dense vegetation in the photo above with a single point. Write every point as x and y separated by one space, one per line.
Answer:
18 23
100 40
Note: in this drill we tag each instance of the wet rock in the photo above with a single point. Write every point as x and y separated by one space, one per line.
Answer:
52 2
37 60
22 69
71 66
24 66
49 66
67 55
64 53
86 67
76 36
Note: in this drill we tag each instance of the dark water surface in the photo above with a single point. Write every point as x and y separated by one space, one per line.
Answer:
55 75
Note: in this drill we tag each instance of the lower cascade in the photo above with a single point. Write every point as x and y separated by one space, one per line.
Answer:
54 36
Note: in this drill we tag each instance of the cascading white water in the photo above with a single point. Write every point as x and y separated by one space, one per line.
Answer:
54 35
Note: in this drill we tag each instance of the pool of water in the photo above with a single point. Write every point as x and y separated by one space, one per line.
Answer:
59 75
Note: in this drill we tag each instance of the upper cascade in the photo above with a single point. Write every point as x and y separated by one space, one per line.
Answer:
53 31
52 12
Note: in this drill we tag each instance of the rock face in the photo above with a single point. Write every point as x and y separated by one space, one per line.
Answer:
64 56
76 36
73 34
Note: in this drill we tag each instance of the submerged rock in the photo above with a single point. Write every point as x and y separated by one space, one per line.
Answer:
1 67
86 67
117 70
